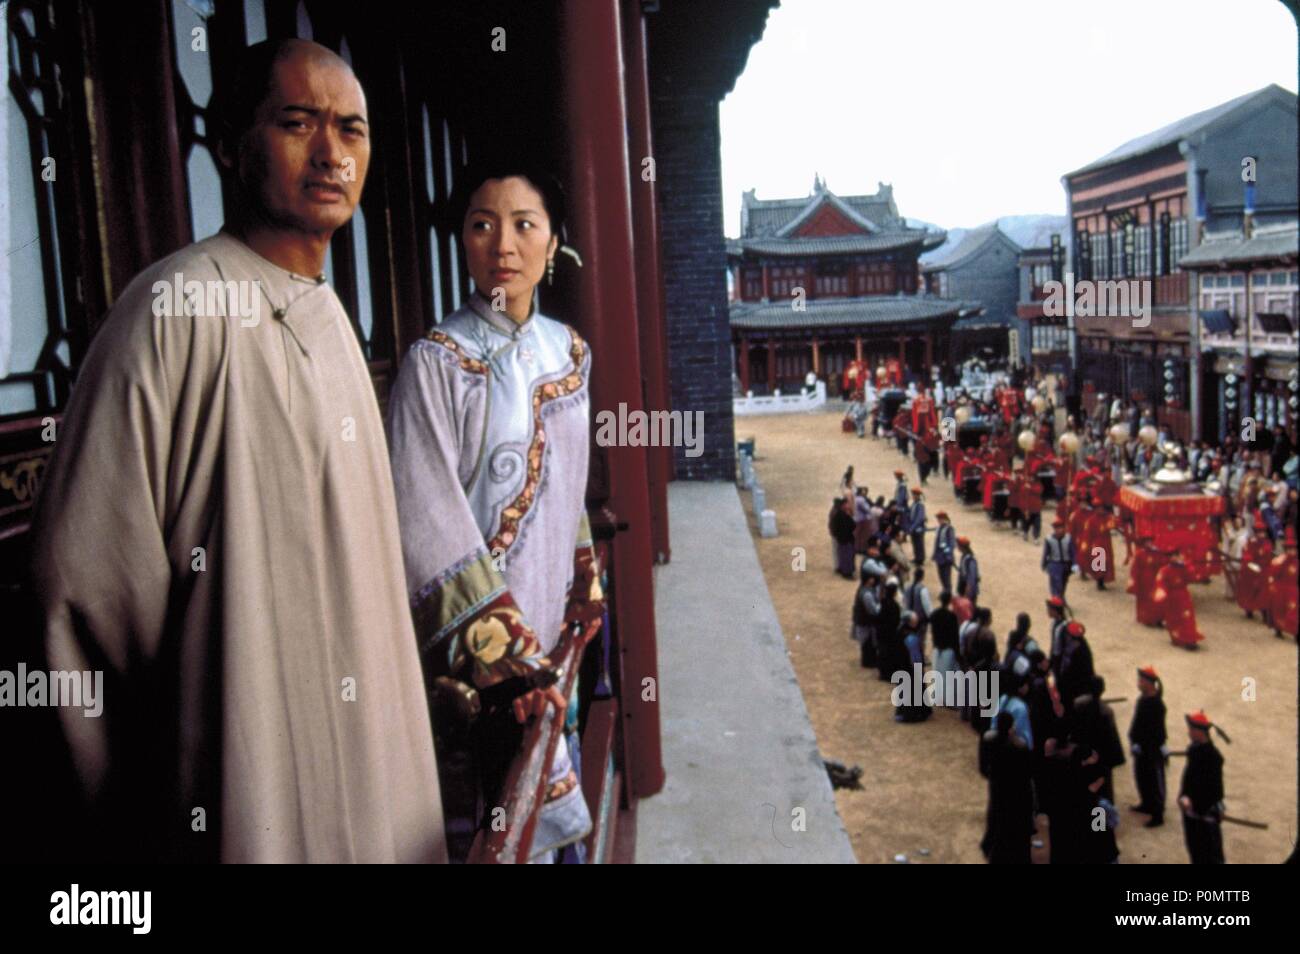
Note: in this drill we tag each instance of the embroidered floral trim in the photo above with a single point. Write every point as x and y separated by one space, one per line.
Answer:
496 645
586 599
543 394
472 365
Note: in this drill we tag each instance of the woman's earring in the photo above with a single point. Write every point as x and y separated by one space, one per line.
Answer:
550 271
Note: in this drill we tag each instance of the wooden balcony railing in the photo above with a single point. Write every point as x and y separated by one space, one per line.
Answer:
602 772
525 785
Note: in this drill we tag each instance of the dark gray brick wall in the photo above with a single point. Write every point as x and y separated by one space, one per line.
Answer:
688 167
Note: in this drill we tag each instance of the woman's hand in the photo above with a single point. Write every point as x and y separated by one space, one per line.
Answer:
533 703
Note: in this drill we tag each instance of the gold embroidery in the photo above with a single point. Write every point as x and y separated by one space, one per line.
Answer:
514 513
472 365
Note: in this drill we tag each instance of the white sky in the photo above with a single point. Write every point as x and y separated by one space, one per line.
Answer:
975 110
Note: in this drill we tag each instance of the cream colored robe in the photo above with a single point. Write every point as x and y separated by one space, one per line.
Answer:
277 687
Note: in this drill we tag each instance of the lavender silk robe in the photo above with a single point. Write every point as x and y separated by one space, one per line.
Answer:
489 430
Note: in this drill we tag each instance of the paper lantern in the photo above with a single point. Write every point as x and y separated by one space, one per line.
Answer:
1119 433
962 414
1030 393
1147 435
1026 440
1069 443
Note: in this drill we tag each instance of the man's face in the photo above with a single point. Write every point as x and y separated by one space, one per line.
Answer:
304 161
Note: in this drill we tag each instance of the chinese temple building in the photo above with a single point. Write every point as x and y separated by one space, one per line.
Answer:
822 281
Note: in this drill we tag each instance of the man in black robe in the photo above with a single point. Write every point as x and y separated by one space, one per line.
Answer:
1004 759
1146 736
1075 675
1201 794
889 644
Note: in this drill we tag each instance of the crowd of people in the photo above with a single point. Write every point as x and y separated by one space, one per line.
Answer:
1050 745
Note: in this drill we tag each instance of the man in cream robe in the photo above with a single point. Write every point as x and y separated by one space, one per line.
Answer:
217 533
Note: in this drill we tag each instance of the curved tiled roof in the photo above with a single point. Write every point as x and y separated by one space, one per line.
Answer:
848 312
836 244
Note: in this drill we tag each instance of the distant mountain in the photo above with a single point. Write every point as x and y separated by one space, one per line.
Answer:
1027 231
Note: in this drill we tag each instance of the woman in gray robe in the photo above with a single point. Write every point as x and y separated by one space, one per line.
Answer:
488 431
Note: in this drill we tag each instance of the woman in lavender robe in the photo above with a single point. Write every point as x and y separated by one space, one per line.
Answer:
488 437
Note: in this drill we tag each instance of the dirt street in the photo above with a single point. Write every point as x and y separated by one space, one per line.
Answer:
923 791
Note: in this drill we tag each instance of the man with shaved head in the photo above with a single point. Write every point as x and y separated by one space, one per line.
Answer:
217 531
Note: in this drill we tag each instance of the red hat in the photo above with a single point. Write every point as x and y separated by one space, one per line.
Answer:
963 541
1199 720
916 491
1058 522
1149 673
898 473
941 515
1056 602
1075 628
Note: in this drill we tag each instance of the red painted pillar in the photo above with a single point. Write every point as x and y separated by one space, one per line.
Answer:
654 358
766 293
743 362
601 223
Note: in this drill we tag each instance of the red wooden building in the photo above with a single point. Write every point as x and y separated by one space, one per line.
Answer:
822 281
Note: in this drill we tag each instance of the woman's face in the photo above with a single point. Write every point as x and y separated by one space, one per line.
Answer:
507 237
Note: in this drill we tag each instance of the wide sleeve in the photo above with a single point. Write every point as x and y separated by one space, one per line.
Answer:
585 602
467 623
100 567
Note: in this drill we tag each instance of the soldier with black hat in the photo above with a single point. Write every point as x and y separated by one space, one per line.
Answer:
1146 736
1201 794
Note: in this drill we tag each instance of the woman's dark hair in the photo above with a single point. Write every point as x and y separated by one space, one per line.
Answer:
500 165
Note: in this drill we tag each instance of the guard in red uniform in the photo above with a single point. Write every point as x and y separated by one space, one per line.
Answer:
1252 590
1031 505
1284 588
1147 561
1106 490
1100 526
1080 526
1174 601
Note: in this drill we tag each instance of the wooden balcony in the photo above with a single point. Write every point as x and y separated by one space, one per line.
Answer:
1170 290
